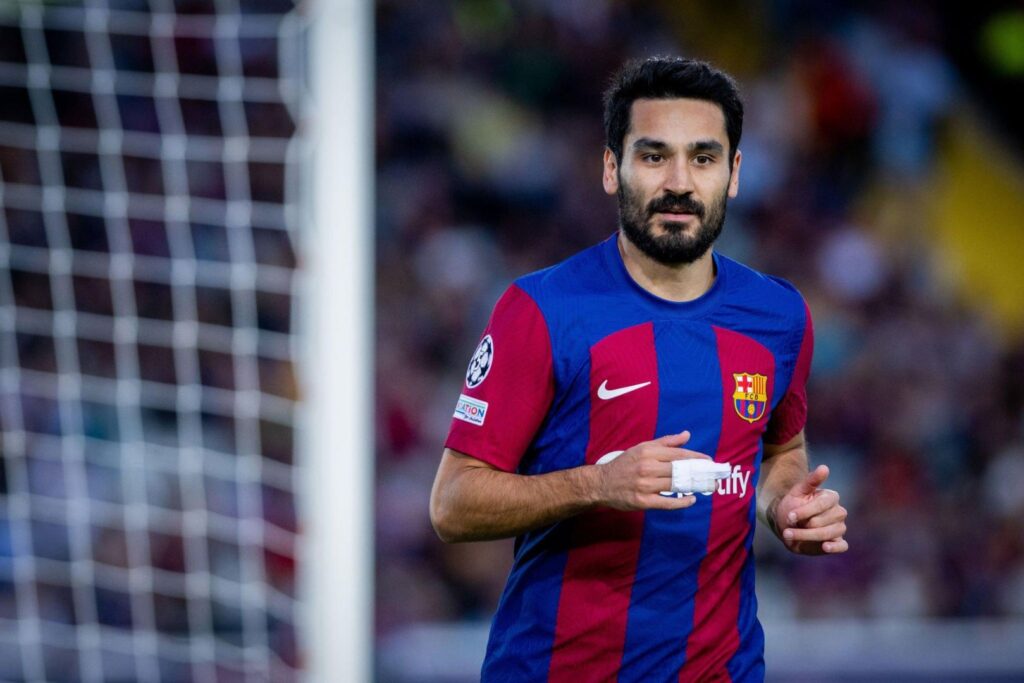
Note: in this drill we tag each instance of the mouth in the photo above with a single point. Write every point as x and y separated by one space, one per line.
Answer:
671 211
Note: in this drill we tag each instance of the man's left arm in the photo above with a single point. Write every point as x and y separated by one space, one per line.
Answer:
791 501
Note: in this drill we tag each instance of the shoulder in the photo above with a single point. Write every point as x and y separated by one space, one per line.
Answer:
585 268
552 296
584 273
763 295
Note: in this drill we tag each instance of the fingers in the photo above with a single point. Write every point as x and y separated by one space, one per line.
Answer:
836 546
670 447
660 502
823 500
832 532
667 455
818 526
673 440
691 454
635 478
812 481
830 516
670 454
648 476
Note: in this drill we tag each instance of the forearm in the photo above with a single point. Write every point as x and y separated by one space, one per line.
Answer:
478 503
779 473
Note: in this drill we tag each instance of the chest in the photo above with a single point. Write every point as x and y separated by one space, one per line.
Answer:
661 377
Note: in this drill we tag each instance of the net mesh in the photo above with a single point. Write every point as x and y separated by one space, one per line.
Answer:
147 394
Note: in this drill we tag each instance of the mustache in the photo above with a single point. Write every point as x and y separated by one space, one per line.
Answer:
672 203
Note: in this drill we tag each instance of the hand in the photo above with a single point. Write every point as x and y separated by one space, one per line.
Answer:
634 480
809 519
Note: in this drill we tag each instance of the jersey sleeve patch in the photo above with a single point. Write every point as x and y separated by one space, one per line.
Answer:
470 410
509 385
481 362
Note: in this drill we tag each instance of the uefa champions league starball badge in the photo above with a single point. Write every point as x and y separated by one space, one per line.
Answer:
480 365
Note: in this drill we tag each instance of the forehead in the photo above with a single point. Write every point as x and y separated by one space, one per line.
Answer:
676 120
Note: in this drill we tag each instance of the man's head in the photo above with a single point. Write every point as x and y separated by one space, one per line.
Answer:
661 78
673 126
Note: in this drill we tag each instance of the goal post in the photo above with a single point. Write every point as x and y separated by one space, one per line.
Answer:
186 460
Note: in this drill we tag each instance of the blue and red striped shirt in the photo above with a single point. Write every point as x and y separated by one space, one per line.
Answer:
634 596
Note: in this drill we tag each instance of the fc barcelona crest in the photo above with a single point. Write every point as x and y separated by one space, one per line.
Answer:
751 396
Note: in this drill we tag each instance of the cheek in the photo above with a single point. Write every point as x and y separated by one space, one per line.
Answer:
634 199
716 188
639 187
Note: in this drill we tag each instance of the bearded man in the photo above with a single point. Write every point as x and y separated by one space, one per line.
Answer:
630 413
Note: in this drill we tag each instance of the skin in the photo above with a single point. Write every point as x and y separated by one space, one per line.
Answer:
678 146
473 501
807 518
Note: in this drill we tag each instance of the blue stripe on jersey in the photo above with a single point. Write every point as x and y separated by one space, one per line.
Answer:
748 662
674 541
522 633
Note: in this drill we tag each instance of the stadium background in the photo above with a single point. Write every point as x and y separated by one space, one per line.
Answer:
881 174
152 170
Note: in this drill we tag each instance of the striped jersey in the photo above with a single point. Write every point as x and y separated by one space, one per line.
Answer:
579 361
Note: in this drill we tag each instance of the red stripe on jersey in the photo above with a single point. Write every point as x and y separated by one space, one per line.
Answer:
590 632
790 415
715 636
517 386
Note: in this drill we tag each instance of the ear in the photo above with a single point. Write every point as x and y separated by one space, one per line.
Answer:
610 178
734 176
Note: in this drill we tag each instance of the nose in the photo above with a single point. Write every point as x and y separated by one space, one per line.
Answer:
678 178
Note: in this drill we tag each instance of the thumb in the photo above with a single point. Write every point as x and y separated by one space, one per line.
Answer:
674 440
812 481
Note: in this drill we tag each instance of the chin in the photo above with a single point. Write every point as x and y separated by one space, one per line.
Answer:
675 227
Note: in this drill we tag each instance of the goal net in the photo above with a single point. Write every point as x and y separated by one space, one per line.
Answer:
148 401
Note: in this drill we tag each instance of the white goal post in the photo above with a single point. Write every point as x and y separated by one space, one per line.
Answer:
339 358
185 321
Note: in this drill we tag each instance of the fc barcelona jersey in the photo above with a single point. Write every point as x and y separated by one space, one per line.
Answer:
579 361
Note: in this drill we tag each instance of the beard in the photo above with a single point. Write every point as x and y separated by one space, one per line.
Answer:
675 247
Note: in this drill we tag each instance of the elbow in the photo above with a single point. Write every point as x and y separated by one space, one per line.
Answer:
443 519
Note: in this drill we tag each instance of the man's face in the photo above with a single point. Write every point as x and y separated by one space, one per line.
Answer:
674 178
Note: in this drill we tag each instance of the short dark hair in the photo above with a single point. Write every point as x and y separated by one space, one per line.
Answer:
664 78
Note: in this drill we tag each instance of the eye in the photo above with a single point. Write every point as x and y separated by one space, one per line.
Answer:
653 158
703 159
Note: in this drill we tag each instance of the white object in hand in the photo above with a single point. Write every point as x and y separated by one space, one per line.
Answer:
693 475
697 475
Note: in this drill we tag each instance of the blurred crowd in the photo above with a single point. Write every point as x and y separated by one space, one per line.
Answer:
489 143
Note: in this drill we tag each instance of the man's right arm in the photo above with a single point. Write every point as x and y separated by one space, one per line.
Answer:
473 501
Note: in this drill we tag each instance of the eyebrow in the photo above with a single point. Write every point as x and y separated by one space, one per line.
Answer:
706 146
650 143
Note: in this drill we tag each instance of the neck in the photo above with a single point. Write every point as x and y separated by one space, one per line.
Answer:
683 282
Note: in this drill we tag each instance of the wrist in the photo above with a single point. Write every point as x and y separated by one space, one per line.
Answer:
770 517
587 482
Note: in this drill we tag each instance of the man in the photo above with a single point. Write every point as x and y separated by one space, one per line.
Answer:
646 349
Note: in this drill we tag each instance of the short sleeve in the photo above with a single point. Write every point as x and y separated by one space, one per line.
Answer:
790 415
508 387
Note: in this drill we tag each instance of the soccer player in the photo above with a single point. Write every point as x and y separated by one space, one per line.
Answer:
643 350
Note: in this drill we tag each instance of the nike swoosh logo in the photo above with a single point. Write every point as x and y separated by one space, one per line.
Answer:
604 393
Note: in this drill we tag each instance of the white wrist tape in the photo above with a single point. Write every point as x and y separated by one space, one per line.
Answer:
697 475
